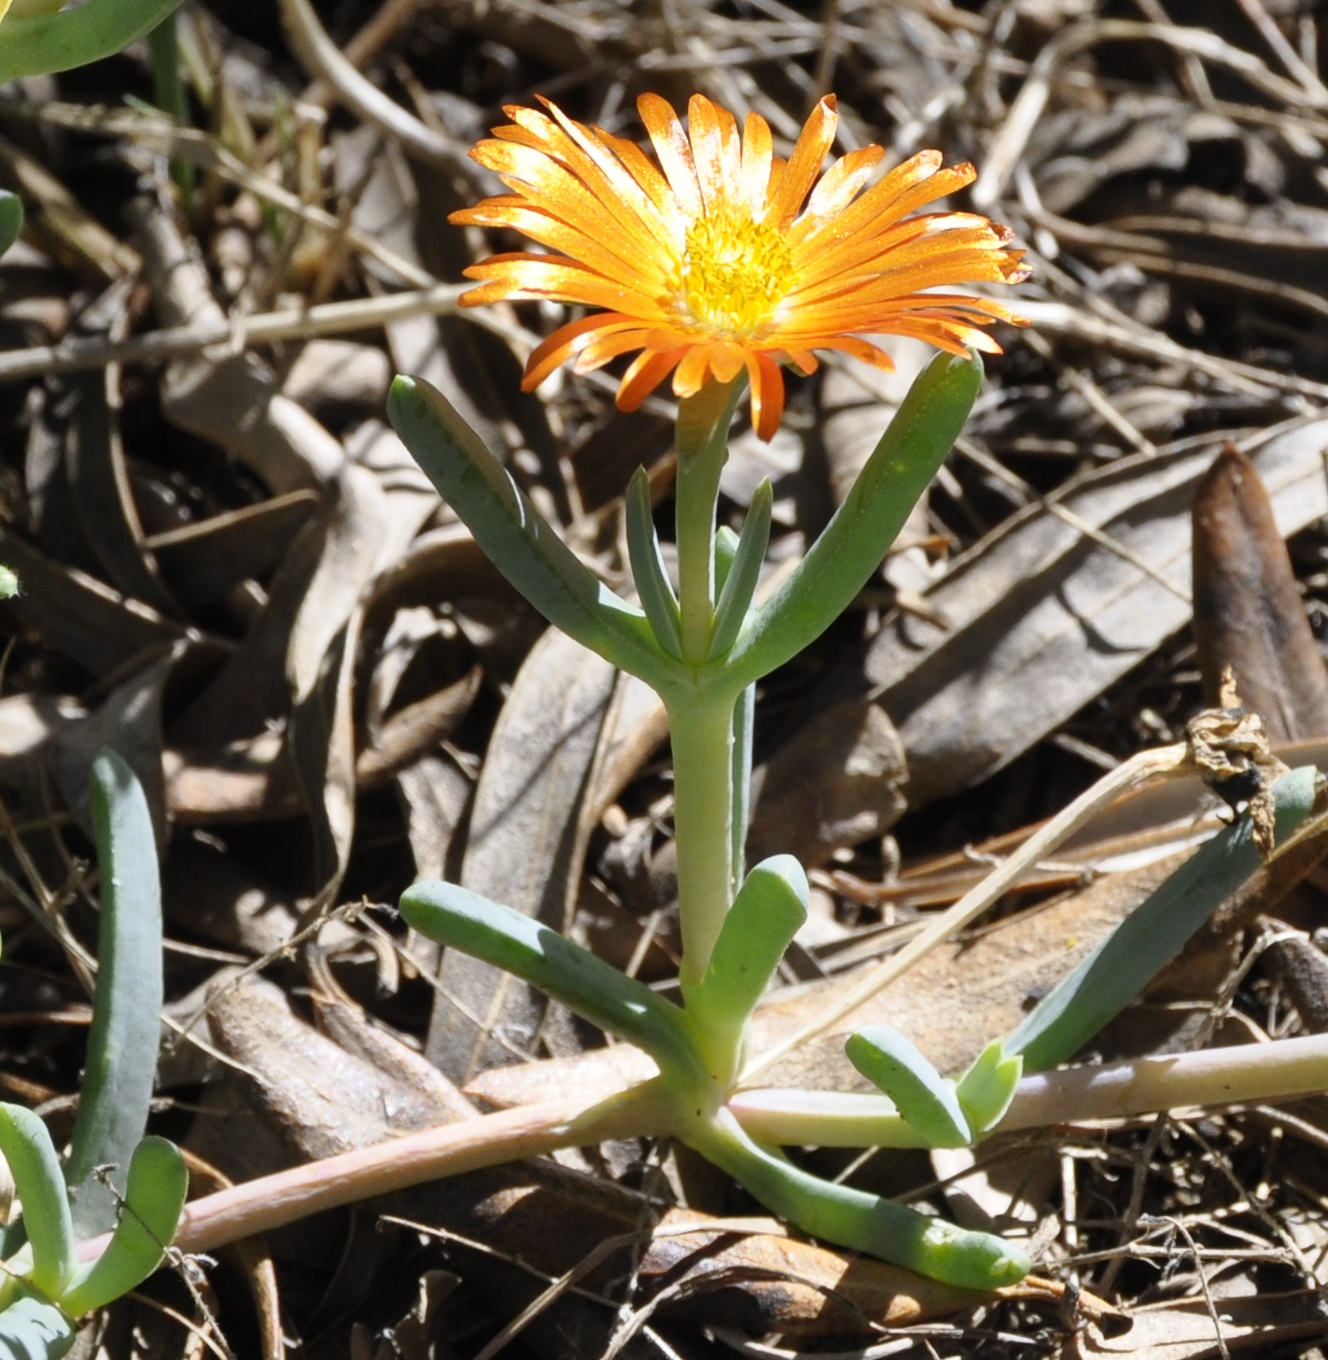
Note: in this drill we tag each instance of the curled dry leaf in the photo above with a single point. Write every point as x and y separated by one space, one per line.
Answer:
1248 613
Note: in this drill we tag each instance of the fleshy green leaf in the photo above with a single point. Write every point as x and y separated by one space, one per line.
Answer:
739 585
32 1329
851 548
28 1149
1152 935
859 1220
154 1197
461 919
766 914
516 537
652 580
985 1091
59 42
726 549
925 1100
11 219
126 1016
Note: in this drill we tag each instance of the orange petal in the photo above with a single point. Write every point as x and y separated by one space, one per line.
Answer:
644 374
609 347
805 163
716 152
877 207
639 270
859 349
673 149
959 256
648 176
767 394
577 194
803 360
617 180
545 276
727 360
692 372
757 156
840 185
571 340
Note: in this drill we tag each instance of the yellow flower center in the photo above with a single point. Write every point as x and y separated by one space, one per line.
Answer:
735 271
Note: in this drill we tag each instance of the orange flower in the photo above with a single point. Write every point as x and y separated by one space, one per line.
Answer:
724 257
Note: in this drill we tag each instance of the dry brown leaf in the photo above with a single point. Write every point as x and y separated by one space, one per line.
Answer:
1040 609
1201 1329
205 560
523 846
1248 614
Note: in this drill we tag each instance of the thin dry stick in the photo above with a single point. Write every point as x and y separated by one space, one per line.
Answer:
1009 143
1165 761
290 323
1117 332
1258 15
160 135
322 59
1092 394
365 45
973 450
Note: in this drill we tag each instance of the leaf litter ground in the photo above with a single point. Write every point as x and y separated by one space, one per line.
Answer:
234 574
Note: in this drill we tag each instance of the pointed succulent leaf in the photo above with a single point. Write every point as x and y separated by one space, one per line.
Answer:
652 579
517 538
925 1100
460 919
33 1163
726 549
744 715
859 1220
126 1014
851 548
739 586
154 1198
1153 934
985 1091
39 44
770 907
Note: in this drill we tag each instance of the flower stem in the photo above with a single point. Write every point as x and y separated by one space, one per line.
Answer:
702 733
701 720
702 438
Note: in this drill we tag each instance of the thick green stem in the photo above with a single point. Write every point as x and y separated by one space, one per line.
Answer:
744 714
703 427
701 722
702 733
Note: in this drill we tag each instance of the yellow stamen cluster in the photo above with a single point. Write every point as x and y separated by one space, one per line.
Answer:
734 274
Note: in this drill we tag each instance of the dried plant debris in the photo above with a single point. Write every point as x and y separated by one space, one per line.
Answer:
232 572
